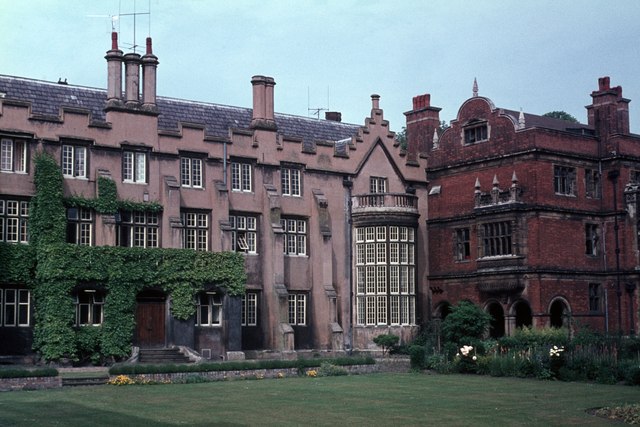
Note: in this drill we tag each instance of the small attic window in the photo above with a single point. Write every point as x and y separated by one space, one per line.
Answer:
476 131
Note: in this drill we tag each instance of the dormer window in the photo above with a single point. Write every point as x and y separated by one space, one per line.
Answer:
476 132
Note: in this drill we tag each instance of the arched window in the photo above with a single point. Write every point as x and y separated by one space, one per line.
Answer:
558 314
496 312
523 314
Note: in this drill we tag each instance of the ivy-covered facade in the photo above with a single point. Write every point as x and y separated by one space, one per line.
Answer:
132 220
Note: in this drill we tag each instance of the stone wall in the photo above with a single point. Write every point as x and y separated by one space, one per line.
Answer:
30 383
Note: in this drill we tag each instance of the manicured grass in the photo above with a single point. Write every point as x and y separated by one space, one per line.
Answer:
377 399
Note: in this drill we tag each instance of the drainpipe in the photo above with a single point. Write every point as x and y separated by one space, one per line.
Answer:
348 184
613 176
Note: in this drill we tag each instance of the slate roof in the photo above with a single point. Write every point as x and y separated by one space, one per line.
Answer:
533 120
47 99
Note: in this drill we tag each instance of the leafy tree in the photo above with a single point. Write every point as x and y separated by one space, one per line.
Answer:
467 324
562 115
386 341
401 137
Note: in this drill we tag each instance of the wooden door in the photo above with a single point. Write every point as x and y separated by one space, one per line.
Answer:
150 319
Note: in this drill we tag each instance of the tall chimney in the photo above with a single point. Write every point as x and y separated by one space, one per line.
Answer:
132 79
422 120
263 110
114 73
609 111
149 67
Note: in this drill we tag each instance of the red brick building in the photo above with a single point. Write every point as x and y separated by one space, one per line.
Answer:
328 214
533 218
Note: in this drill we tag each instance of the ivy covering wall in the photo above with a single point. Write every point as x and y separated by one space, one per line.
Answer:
53 269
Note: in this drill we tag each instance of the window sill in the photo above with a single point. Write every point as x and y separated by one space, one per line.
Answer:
134 182
15 172
190 187
81 178
565 195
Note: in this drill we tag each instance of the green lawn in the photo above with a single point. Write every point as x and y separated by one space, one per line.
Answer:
377 399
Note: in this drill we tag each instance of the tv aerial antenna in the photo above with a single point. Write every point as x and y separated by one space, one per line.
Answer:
116 22
315 111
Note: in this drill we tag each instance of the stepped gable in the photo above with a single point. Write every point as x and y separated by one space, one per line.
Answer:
47 98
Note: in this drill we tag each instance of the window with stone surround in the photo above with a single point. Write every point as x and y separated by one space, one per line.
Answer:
591 237
137 229
244 236
295 235
74 161
595 297
592 183
297 309
15 307
14 217
196 230
462 244
80 226
564 180
249 309
476 132
13 155
89 307
291 180
209 311
134 166
241 176
385 275
496 238
191 172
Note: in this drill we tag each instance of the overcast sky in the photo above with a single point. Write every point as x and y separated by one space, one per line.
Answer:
536 55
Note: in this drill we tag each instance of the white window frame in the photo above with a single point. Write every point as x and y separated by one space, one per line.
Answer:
14 218
209 313
143 229
297 309
13 156
241 177
244 233
295 236
291 180
191 172
134 167
94 305
250 309
82 220
196 230
74 161
385 276
378 185
19 305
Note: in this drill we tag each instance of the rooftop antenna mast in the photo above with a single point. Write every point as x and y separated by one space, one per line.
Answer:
135 15
316 110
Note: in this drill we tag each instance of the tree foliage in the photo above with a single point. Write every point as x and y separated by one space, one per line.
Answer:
466 324
562 115
386 341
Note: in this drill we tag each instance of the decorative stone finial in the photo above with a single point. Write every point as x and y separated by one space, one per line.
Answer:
521 120
495 181
436 139
475 87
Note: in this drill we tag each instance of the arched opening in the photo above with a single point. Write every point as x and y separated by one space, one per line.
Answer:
523 314
496 312
442 311
558 314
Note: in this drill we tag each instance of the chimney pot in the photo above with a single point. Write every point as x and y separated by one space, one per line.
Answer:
603 83
114 41
149 48
375 101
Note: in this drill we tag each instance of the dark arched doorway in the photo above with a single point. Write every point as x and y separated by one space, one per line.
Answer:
523 314
150 319
442 310
558 314
496 312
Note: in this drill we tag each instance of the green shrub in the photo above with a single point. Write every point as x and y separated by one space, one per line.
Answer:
417 355
26 373
329 370
467 324
386 341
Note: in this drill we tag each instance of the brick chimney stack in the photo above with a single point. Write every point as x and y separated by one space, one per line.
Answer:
263 111
132 79
609 111
114 73
422 121
149 67
333 116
